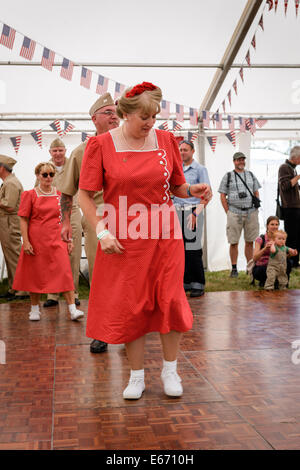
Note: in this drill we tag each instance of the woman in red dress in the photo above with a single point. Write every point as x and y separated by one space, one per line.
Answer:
137 284
44 264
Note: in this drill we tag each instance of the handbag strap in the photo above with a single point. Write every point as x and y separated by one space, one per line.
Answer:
244 182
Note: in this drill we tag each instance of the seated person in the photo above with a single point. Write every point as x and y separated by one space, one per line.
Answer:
262 252
276 269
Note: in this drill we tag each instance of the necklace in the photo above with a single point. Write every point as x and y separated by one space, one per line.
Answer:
45 192
130 148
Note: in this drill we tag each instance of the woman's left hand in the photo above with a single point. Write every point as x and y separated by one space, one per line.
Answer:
201 191
70 247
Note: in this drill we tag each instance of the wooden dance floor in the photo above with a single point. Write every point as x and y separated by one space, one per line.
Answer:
241 386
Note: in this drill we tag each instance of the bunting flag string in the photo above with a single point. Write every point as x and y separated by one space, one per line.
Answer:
212 140
16 141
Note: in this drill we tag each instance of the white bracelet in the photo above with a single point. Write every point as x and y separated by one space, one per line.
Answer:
102 234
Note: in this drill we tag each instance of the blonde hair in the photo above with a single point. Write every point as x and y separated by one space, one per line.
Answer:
281 232
147 102
38 168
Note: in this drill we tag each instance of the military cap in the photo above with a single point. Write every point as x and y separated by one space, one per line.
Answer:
8 161
104 100
238 155
57 143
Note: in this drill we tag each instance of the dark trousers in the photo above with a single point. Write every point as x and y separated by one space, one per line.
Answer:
292 228
259 273
194 277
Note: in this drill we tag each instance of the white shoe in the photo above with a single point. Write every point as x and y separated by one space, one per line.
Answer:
134 389
172 383
34 316
77 314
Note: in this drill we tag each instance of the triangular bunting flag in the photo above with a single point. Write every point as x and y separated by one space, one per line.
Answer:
205 118
276 5
223 104
57 128
68 127
253 42
37 135
261 22
212 142
297 6
164 126
250 125
231 137
8 36
261 122
229 97
270 3
248 58
176 126
192 136
16 141
242 74
285 5
235 86
84 137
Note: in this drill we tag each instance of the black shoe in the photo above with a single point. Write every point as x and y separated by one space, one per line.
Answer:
97 346
196 292
234 273
8 296
77 302
50 303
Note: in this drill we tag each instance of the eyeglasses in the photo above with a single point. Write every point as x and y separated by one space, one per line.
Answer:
44 175
107 113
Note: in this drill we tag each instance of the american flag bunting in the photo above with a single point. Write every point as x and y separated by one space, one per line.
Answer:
212 142
179 112
176 126
253 42
231 137
8 36
68 127
28 48
192 136
276 5
165 109
235 86
67 69
84 137
270 3
57 127
242 124
218 120
250 125
205 118
261 122
286 2
223 104
37 135
261 22
119 88
86 77
297 6
248 58
193 117
48 59
242 74
164 126
230 122
102 85
16 141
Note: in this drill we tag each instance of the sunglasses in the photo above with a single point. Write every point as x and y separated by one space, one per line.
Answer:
51 174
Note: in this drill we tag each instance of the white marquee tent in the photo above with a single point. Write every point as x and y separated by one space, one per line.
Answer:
193 50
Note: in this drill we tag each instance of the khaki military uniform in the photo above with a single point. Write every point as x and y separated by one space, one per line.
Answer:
75 256
10 233
69 185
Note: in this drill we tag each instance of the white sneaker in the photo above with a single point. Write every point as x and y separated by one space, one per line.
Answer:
134 389
77 314
34 316
172 383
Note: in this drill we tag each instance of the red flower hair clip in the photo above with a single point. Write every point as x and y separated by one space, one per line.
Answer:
140 88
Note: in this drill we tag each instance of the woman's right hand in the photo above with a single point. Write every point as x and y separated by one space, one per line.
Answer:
28 249
268 245
111 245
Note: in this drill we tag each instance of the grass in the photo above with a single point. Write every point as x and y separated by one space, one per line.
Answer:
216 281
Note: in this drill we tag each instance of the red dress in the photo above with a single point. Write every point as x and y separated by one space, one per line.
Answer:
140 290
49 269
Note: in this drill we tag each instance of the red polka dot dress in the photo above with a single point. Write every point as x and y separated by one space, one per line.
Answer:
140 290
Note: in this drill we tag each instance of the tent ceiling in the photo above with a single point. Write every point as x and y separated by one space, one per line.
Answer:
169 32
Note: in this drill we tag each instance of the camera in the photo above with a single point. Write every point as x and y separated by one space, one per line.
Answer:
242 195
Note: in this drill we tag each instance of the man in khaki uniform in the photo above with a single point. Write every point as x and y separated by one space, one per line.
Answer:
58 158
10 233
104 117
